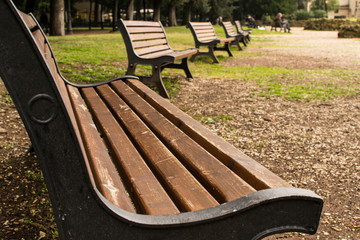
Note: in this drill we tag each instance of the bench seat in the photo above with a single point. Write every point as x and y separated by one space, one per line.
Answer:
146 44
122 162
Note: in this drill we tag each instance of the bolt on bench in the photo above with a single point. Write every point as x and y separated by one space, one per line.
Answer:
121 162
204 35
146 43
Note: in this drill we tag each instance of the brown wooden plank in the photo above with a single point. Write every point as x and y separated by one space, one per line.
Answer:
158 48
179 183
40 40
224 40
218 179
141 37
206 35
207 39
247 168
159 54
29 21
131 23
184 53
151 43
145 189
200 23
103 170
144 30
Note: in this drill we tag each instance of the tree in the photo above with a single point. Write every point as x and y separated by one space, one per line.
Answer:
172 5
130 10
57 23
157 10
221 8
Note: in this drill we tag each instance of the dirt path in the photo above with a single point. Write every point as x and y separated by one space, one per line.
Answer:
312 145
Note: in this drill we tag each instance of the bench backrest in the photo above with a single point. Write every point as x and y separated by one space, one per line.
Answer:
144 39
202 31
238 26
229 29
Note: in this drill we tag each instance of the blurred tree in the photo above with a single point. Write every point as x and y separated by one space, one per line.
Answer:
57 23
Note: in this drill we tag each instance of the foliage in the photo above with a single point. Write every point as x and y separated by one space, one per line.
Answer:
349 31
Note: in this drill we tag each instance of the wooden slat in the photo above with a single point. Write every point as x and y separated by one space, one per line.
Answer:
130 23
207 39
145 189
158 48
149 43
179 183
254 173
29 21
200 23
40 40
106 177
230 39
218 179
184 54
203 35
159 54
141 37
145 30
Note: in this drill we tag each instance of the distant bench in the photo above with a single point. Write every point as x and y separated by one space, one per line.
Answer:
240 29
146 43
230 32
121 162
204 35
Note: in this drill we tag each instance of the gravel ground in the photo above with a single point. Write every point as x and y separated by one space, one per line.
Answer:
312 145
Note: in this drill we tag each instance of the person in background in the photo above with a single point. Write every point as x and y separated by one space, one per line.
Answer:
284 23
251 21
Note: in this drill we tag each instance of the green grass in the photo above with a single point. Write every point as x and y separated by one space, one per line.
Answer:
92 58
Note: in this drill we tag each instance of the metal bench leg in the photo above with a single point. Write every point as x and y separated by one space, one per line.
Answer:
243 40
131 69
157 80
227 48
237 43
211 54
185 65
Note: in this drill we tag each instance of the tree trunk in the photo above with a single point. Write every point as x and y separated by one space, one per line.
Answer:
186 14
115 14
101 18
130 10
144 8
69 20
96 13
90 11
57 23
172 14
157 4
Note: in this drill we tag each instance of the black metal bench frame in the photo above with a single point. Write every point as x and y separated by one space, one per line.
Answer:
211 43
81 211
158 55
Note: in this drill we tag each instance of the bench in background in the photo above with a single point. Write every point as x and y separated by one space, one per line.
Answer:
204 35
230 32
146 44
121 162
240 29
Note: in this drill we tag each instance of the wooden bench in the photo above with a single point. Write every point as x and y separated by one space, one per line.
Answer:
121 162
240 29
230 32
204 35
146 44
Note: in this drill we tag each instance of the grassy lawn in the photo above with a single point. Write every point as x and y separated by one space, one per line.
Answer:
91 58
